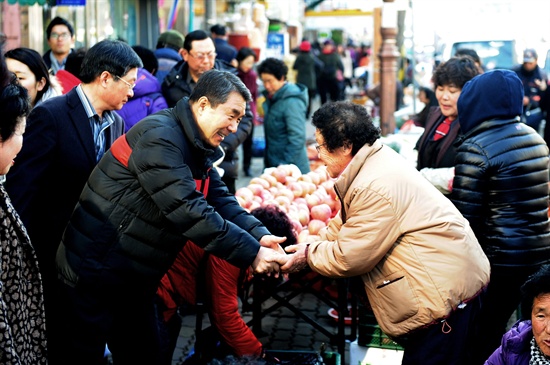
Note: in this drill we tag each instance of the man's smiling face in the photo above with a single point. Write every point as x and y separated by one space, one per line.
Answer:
217 123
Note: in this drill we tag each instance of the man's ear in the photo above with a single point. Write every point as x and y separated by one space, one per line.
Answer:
104 77
203 102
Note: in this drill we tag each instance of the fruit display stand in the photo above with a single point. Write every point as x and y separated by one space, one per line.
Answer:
297 284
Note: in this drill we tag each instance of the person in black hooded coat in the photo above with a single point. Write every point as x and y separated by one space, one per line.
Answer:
501 187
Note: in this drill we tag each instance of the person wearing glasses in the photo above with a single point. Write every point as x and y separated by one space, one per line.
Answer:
60 37
199 56
422 267
64 140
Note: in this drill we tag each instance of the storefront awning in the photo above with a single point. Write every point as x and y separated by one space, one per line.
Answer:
25 2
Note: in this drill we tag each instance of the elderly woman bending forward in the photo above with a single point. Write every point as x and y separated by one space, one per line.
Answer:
422 267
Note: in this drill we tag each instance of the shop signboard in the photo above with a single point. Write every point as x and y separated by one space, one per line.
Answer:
70 2
276 45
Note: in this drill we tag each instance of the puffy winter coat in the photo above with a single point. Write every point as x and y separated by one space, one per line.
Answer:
167 58
416 254
501 174
307 67
141 204
217 283
147 99
175 87
515 348
285 127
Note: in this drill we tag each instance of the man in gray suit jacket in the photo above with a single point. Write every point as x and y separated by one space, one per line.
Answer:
64 140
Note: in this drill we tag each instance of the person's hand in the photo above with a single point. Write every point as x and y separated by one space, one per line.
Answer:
541 84
273 242
267 261
295 262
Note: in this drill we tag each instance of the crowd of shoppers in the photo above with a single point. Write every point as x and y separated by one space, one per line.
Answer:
113 217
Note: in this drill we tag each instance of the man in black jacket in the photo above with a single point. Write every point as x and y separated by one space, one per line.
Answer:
199 56
141 204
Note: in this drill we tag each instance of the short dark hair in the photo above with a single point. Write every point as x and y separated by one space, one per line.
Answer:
468 52
74 61
343 123
456 71
245 52
537 284
58 21
113 56
217 86
218 29
14 104
196 35
277 223
150 61
273 66
35 63
5 75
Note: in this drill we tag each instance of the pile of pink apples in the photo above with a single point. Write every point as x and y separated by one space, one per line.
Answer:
309 199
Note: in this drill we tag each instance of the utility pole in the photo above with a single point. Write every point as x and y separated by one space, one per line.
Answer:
388 67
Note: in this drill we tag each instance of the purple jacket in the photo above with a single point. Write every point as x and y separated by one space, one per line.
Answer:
147 99
515 348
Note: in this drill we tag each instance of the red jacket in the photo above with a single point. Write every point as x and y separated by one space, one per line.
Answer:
221 286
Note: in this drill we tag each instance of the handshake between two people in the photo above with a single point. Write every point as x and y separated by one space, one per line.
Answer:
273 259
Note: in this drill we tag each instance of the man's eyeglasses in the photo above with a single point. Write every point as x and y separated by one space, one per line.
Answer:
318 147
130 86
201 56
62 36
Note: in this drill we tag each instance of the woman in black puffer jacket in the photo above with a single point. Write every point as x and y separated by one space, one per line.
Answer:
501 187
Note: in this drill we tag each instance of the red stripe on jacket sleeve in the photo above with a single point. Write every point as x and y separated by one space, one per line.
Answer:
121 150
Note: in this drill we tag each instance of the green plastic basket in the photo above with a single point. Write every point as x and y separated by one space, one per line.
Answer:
296 357
369 333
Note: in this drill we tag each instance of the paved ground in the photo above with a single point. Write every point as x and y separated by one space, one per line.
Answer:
284 331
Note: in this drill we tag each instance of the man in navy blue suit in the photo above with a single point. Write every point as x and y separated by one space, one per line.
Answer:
64 140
